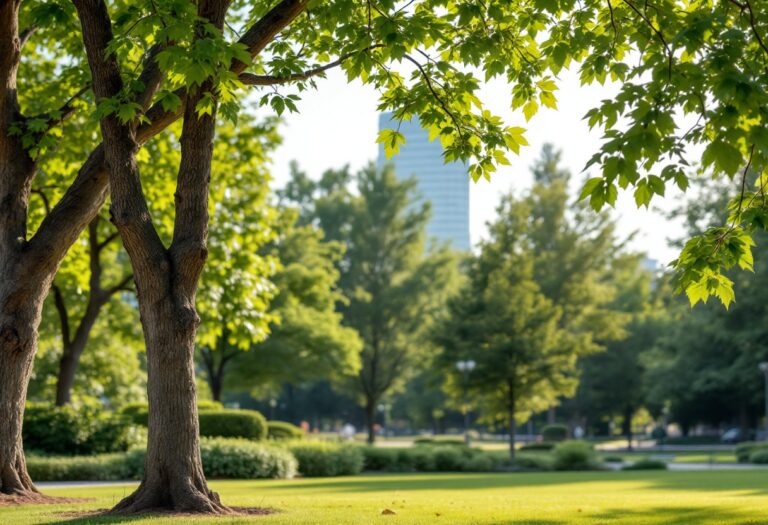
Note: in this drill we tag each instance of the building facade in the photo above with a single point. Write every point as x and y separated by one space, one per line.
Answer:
445 186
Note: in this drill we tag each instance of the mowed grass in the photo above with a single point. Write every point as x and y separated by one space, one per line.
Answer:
637 498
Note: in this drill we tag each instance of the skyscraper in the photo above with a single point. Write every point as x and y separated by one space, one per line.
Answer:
445 186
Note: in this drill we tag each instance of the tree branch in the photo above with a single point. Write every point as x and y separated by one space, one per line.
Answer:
250 79
61 308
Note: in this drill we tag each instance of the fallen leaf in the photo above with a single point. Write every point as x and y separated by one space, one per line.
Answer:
388 512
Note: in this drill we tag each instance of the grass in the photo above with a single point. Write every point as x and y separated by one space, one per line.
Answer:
580 498
713 456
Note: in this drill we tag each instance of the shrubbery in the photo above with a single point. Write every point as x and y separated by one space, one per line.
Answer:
574 455
449 458
248 424
745 450
279 430
529 462
554 433
646 464
138 412
70 431
222 458
321 458
243 459
541 445
759 456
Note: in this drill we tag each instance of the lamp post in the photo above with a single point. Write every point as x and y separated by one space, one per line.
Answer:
384 408
465 367
764 369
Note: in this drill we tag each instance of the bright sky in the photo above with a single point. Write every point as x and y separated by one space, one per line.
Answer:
337 125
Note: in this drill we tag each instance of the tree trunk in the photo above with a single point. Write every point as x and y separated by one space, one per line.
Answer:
19 318
370 419
626 424
512 422
65 379
173 475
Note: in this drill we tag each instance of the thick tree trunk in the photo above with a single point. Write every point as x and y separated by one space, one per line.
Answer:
173 476
626 424
370 419
65 379
19 318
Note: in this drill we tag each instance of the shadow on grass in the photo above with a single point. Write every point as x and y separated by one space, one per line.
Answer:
745 482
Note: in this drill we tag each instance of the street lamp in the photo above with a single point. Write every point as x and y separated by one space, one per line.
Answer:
384 408
465 367
764 369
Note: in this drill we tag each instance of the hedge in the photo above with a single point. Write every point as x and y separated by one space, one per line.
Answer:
322 459
138 412
554 432
574 455
646 464
222 458
71 431
745 450
279 430
248 424
541 445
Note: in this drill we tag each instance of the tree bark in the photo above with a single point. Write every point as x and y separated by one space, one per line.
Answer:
626 424
18 342
512 422
370 419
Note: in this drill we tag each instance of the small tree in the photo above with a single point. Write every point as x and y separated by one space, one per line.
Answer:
510 329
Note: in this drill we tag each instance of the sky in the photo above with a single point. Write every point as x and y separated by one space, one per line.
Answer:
337 125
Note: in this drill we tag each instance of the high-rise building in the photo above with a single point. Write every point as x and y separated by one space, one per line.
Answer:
445 186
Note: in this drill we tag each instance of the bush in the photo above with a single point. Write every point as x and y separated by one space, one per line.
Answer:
103 467
613 459
646 464
321 459
439 442
243 459
541 445
449 459
248 424
222 458
480 462
759 456
282 430
745 450
574 455
70 431
207 404
693 440
530 462
554 433
384 459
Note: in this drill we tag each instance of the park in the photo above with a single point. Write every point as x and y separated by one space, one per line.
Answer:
362 261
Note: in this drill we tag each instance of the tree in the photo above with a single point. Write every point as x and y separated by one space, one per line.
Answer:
506 325
149 64
306 339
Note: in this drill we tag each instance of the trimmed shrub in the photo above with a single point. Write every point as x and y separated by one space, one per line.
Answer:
531 462
613 459
693 440
479 463
574 455
248 424
541 445
243 459
646 464
759 456
419 459
439 442
384 459
745 450
103 467
322 458
282 430
449 459
70 431
208 404
222 458
554 433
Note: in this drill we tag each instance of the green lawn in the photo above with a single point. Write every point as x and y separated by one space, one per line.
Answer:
637 498
704 456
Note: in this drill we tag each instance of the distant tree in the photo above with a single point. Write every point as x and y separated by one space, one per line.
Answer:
506 325
393 284
306 339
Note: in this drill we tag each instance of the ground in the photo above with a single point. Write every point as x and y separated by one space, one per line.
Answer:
636 498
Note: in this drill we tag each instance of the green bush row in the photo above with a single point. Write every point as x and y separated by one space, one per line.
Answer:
745 451
646 464
541 445
575 455
72 430
322 458
279 430
554 432
222 458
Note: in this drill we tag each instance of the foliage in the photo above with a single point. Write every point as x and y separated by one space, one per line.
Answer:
646 464
554 432
280 430
745 450
574 455
73 430
307 340
243 459
102 467
207 404
321 459
247 424
759 456
542 445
